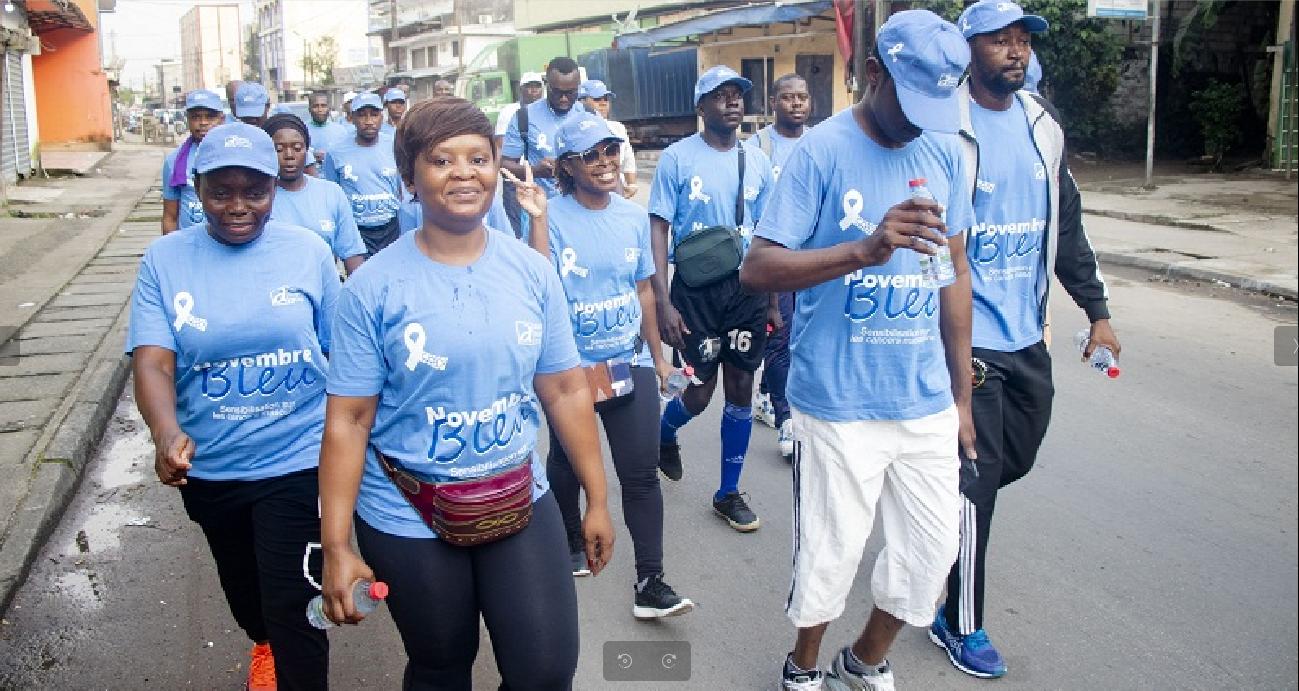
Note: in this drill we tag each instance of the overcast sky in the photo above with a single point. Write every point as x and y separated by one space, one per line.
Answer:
146 31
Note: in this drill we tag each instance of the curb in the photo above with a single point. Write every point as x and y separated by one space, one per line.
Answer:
59 468
1153 219
1198 274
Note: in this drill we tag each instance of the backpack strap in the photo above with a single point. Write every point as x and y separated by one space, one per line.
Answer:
522 116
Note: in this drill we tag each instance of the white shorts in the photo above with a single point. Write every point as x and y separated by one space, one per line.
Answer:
842 471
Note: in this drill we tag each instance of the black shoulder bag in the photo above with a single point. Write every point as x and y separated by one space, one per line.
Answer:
709 255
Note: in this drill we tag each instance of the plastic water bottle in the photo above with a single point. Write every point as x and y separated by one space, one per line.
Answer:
677 382
937 269
365 595
1102 359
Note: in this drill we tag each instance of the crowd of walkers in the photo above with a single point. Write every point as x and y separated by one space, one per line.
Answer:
347 338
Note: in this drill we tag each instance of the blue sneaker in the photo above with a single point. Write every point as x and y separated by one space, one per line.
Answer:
973 654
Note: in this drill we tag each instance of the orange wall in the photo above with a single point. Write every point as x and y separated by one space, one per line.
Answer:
72 100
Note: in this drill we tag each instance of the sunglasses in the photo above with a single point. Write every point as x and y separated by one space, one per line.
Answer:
591 157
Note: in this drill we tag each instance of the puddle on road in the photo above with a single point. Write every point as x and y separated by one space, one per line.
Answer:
130 453
80 588
102 530
120 468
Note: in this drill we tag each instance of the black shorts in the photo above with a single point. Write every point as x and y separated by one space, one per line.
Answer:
379 237
727 324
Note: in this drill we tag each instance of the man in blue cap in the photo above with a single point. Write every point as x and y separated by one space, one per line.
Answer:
365 168
598 99
1028 226
394 102
251 103
324 131
180 203
879 381
712 180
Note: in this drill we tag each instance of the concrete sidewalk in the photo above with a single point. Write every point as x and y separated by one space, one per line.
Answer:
1237 229
68 257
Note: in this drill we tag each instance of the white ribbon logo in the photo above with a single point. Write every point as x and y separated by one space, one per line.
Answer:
852 208
897 48
568 263
415 339
541 141
697 190
347 173
184 305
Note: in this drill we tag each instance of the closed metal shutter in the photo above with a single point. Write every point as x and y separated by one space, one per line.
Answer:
16 154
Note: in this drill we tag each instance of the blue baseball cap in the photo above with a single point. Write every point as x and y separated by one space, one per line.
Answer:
237 144
594 88
926 56
394 94
580 132
987 16
202 98
1033 74
716 77
250 100
366 100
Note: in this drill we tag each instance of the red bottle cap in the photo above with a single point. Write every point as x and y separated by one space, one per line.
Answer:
1112 373
378 590
688 371
917 182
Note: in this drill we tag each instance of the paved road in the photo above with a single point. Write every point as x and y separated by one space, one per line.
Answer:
1154 546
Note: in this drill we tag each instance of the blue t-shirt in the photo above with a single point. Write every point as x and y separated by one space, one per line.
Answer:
695 187
326 135
250 327
369 178
781 147
321 207
191 209
451 351
543 128
865 346
411 215
1011 203
600 255
387 128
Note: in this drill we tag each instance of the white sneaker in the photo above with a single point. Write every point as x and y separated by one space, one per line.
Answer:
763 411
786 440
803 681
840 679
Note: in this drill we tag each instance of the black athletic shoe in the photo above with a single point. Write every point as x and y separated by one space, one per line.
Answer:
580 568
656 599
670 461
736 511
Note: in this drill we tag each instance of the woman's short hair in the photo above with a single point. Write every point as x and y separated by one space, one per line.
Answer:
428 123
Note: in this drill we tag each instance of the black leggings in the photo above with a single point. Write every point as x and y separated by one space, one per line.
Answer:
633 431
258 531
521 585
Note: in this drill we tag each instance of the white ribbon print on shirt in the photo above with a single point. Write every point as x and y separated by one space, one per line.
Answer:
568 263
697 190
184 306
852 208
542 143
416 339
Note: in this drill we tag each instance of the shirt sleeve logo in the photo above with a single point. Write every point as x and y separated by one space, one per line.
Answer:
184 306
697 190
1039 171
528 333
285 296
327 226
415 340
632 255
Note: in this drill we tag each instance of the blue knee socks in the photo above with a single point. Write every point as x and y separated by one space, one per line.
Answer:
675 416
737 424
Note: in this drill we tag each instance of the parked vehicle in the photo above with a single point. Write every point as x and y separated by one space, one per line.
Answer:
491 79
655 91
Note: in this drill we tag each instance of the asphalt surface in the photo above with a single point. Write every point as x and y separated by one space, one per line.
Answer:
1153 546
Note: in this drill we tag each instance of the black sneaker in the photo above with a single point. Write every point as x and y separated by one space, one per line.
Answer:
580 567
656 599
736 511
670 461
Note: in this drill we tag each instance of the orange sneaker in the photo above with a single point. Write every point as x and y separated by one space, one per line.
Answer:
261 670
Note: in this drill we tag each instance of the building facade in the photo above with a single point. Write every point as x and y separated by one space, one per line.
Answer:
301 42
211 42
170 85
428 40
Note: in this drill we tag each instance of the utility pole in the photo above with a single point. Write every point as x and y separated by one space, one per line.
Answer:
1154 74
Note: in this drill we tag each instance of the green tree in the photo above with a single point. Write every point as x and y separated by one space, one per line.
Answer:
252 55
321 59
1217 109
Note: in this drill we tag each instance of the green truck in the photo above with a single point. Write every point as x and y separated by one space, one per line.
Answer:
491 79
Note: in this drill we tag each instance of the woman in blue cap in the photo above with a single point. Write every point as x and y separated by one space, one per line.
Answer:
229 367
599 243
448 346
